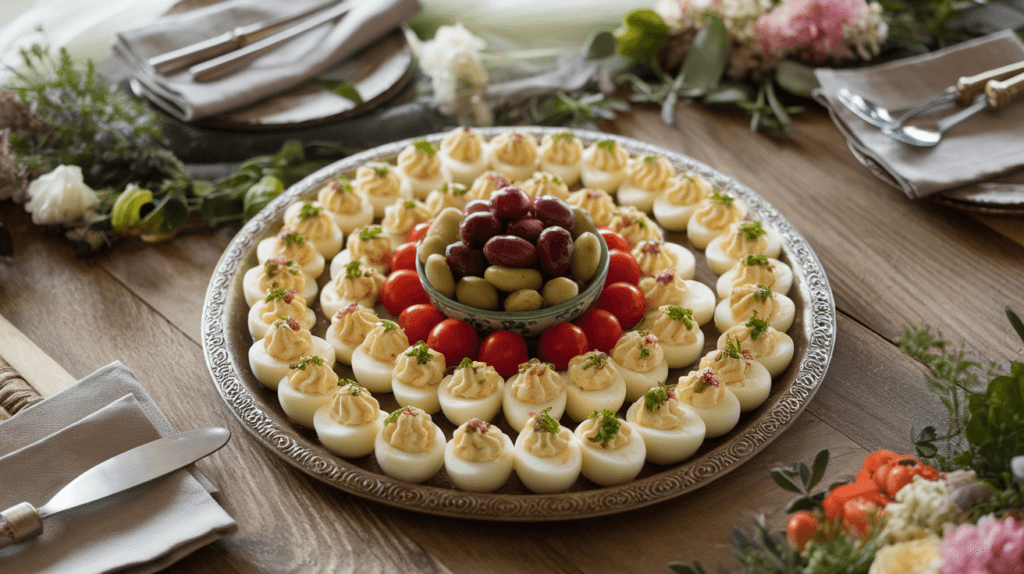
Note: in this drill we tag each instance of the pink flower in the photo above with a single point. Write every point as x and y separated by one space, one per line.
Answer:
812 25
991 547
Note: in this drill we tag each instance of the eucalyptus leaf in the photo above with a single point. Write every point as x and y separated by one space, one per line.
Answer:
728 94
261 194
644 34
600 45
776 107
796 78
706 60
780 478
818 467
805 474
341 88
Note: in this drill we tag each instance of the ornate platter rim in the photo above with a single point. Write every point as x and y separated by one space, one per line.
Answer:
750 437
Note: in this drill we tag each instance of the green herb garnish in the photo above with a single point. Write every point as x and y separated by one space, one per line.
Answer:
543 422
718 197
651 159
762 294
707 378
290 236
343 183
563 136
595 359
756 259
369 232
534 362
752 230
421 351
301 364
393 416
680 314
556 180
423 146
309 210
389 325
458 189
732 350
352 270
644 352
280 322
276 294
609 426
381 171
654 398
607 145
757 326
466 363
409 204
357 389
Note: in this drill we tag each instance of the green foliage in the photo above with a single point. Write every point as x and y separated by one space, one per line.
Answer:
341 88
644 34
560 108
802 479
259 195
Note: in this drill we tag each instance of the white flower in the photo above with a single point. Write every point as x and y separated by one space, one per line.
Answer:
867 33
453 56
920 556
921 509
60 197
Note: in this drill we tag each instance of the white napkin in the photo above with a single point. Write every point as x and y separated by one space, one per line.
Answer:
284 67
141 530
985 146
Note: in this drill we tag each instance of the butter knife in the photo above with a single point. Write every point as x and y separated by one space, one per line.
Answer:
131 468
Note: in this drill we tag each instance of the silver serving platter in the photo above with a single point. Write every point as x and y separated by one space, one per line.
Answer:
226 341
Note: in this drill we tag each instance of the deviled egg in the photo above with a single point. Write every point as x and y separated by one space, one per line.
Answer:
678 334
655 256
646 177
543 183
744 300
670 289
604 165
766 345
401 217
448 195
418 372
420 165
349 425
373 362
674 206
536 387
368 245
350 210
357 284
635 226
276 304
672 431
514 154
316 225
309 385
713 403
381 185
284 343
486 184
613 451
756 270
741 239
464 154
548 456
561 155
740 373
410 447
713 217
292 245
479 458
640 360
597 202
277 273
474 390
594 385
349 328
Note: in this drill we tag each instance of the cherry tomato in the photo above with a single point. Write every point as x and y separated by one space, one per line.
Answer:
417 321
622 267
505 351
601 328
614 239
404 257
418 231
859 515
454 339
401 289
801 528
560 343
624 300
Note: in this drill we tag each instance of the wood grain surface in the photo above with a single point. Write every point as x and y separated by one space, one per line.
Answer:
892 263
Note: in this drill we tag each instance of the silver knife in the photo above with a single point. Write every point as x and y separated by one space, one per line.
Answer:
131 468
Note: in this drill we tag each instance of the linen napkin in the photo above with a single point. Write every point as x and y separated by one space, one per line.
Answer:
141 530
985 146
284 67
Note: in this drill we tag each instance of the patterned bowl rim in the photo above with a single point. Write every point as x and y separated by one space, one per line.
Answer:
744 442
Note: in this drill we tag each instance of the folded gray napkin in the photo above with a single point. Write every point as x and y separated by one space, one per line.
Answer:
985 146
141 530
284 67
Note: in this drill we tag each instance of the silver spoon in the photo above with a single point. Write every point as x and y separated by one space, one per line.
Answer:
997 95
966 89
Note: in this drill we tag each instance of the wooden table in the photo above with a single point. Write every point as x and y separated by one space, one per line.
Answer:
892 264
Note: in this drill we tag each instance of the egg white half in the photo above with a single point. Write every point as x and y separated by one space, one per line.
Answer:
686 263
569 174
720 418
612 467
518 412
331 301
341 351
299 406
783 279
373 374
421 188
465 172
349 222
270 371
672 445
753 390
783 320
637 197
552 474
258 328
347 441
408 395
265 250
581 402
639 383
720 262
410 466
344 257
600 179
699 298
679 356
513 172
458 410
778 360
480 476
671 216
253 293
380 202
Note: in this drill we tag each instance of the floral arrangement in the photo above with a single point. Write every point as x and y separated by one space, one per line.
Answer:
961 514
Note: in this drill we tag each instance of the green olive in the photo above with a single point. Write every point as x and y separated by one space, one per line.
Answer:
560 290
511 279
584 222
446 224
586 256
429 246
476 292
524 300
439 275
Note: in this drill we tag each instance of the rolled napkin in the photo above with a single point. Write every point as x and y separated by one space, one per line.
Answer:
284 67
144 529
985 146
